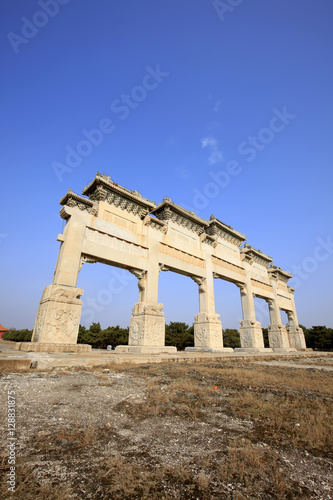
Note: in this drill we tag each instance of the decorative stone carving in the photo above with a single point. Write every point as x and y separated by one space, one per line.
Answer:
209 240
278 338
141 275
88 259
162 267
58 316
157 224
170 211
147 330
74 200
208 334
251 336
102 188
220 230
201 282
296 338
276 273
242 287
251 254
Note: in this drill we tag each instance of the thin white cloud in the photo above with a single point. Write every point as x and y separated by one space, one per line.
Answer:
216 155
217 105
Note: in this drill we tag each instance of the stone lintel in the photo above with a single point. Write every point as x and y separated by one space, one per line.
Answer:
225 232
278 274
251 254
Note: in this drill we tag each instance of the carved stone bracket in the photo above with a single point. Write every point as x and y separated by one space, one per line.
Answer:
163 267
86 258
246 258
201 282
242 287
72 199
156 224
276 273
209 240
141 278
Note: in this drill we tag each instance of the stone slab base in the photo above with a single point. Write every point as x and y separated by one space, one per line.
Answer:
284 349
145 349
46 347
253 349
208 349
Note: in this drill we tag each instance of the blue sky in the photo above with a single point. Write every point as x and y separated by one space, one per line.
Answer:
224 108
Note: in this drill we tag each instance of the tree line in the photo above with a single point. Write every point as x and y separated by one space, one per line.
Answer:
177 334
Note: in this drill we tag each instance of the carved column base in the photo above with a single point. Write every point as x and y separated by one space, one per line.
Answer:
208 334
147 330
43 347
58 315
278 338
296 338
251 337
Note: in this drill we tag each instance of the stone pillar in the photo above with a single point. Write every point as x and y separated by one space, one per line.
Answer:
207 326
58 316
147 324
250 331
277 333
295 333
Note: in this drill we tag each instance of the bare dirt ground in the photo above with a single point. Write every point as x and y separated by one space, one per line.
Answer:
211 430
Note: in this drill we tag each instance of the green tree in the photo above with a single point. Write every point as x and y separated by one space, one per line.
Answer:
179 335
265 335
231 338
18 335
319 337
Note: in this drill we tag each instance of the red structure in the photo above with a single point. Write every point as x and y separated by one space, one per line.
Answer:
2 330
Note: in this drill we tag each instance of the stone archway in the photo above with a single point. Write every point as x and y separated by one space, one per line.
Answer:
116 226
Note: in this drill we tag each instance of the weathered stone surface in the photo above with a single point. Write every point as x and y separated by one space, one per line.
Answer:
208 334
296 337
58 316
251 336
278 338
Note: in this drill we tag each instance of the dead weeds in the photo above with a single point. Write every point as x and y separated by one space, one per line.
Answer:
197 431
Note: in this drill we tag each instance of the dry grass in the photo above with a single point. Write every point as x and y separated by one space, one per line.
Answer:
301 417
261 414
